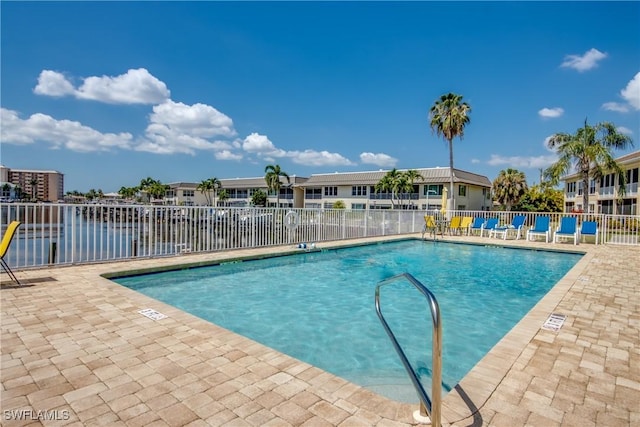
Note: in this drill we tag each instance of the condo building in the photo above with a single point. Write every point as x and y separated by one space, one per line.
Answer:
355 190
43 186
604 194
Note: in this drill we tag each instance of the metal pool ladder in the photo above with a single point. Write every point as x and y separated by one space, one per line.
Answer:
428 407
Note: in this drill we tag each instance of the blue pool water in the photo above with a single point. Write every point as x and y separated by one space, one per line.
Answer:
319 306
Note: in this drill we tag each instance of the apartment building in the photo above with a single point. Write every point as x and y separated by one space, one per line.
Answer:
43 186
604 193
240 192
356 190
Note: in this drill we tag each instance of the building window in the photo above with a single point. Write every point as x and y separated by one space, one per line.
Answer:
359 190
580 188
358 206
592 186
632 176
313 193
571 187
608 180
462 190
286 193
462 207
433 190
187 193
330 191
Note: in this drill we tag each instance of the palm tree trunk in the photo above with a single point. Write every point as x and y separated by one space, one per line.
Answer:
585 193
451 195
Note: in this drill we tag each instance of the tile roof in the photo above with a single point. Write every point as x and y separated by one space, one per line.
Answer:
429 175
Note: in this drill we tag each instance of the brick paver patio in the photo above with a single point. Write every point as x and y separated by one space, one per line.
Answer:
75 351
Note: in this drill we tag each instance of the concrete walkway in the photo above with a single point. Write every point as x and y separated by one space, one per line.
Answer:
75 351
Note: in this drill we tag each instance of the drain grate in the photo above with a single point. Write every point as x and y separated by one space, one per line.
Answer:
152 314
554 322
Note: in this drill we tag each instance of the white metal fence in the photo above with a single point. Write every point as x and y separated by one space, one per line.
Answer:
59 234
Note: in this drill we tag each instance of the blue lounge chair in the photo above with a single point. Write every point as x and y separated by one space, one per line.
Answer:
515 227
541 227
589 228
488 226
476 225
567 229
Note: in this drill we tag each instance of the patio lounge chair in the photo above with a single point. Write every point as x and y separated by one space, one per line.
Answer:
567 229
4 248
466 223
515 227
455 225
476 225
488 226
541 227
589 228
430 225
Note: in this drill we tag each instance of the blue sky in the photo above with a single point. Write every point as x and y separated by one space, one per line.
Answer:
109 93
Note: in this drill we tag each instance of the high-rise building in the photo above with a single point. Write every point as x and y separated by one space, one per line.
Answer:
43 186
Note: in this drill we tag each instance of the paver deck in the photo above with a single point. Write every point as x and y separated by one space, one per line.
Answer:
75 351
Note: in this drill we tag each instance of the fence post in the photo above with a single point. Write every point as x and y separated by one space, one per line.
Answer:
53 246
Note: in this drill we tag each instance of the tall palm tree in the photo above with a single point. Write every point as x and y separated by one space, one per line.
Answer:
223 196
272 178
128 192
157 190
410 177
391 182
205 188
6 190
589 153
509 187
447 118
216 185
145 186
33 183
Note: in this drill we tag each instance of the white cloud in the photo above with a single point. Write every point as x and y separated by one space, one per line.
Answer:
533 162
58 133
585 62
227 155
134 87
52 83
624 130
196 120
318 158
378 159
261 145
179 128
615 106
551 113
475 161
631 93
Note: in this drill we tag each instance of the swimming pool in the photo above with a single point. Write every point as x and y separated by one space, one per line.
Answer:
319 306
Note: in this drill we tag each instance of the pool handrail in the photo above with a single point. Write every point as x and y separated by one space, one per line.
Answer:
430 407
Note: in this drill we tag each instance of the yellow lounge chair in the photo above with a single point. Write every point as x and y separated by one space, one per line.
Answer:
455 225
466 223
429 225
4 247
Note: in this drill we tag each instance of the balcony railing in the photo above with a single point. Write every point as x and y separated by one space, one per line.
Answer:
389 196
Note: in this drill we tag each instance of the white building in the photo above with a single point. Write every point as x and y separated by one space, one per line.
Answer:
355 189
604 194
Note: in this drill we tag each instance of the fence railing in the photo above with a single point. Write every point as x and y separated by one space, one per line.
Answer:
62 234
